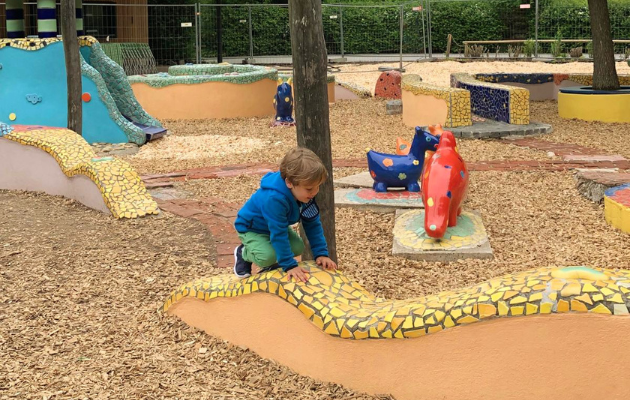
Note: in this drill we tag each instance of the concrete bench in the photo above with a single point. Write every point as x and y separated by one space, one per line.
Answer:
545 86
425 104
494 101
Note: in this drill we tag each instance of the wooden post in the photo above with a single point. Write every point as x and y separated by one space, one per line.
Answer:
73 64
449 38
311 100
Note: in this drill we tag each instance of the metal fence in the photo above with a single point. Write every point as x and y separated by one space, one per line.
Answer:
179 34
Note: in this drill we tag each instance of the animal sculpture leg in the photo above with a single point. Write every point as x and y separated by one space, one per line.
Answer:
413 187
452 216
379 186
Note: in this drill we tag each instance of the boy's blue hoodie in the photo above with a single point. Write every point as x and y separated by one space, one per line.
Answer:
271 210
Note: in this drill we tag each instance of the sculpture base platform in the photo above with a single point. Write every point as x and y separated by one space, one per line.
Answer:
368 199
360 180
466 240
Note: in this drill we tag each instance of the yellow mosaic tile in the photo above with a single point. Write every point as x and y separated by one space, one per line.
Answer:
348 311
457 100
122 189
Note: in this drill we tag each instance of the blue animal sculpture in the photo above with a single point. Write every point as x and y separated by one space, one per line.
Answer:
283 103
391 170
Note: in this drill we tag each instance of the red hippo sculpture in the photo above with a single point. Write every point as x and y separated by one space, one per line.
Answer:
444 186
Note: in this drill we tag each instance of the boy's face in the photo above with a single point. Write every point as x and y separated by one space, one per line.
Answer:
304 191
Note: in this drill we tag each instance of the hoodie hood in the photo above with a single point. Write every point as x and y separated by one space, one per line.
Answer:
274 181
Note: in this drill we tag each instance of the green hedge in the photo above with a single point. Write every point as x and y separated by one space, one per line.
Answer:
376 30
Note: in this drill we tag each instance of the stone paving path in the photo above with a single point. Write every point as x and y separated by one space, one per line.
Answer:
218 215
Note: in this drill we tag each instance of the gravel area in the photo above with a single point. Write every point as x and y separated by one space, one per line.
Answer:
354 126
79 316
612 138
360 124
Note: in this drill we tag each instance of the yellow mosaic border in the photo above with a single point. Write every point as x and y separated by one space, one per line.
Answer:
343 308
587 79
617 214
457 100
38 44
410 239
354 88
519 97
122 189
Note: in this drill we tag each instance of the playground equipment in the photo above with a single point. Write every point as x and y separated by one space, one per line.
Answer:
207 91
388 85
444 186
331 329
390 170
35 91
57 161
33 72
283 103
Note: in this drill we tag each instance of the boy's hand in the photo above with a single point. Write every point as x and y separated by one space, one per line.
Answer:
326 263
298 273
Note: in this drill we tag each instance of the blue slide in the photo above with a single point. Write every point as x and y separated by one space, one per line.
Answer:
33 91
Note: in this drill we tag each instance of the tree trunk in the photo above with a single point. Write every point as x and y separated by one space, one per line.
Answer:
73 64
604 72
311 100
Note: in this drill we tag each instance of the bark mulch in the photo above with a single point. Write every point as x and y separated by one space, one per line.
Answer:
79 320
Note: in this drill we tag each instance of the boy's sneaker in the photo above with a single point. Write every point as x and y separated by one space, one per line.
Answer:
242 268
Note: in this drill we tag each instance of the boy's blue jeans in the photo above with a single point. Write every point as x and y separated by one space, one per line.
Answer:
257 247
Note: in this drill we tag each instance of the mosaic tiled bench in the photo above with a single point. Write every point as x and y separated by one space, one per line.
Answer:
494 101
60 162
332 329
617 207
425 104
543 86
207 91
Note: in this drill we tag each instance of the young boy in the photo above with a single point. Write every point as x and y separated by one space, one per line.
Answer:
264 222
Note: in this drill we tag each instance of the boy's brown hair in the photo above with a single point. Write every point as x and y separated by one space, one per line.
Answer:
301 165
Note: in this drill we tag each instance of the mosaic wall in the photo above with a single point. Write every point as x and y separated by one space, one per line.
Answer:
584 79
342 308
116 80
201 73
498 102
587 79
121 187
519 78
457 100
362 92
617 207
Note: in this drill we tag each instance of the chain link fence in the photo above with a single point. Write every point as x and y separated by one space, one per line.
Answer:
195 33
